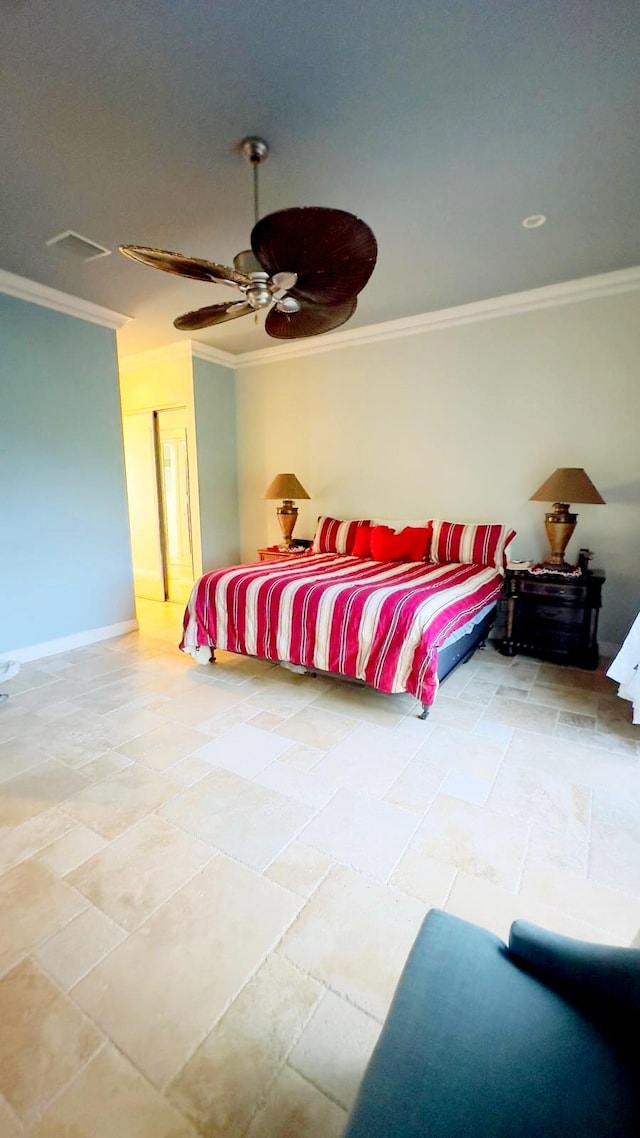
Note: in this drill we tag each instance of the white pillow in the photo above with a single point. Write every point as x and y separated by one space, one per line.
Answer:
398 524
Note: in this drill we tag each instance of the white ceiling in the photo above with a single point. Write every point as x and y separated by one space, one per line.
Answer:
442 123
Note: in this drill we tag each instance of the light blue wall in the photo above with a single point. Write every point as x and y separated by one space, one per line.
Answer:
215 414
65 561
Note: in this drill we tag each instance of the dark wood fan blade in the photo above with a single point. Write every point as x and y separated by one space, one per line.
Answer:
183 266
311 320
332 252
212 314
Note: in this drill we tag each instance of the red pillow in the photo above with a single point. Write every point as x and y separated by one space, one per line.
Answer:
420 542
362 543
411 544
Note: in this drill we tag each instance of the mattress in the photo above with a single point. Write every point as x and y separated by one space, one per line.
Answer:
379 622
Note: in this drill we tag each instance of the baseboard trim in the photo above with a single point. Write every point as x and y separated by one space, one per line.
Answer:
609 648
66 643
606 648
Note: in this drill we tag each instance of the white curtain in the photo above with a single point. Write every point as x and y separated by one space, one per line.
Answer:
625 669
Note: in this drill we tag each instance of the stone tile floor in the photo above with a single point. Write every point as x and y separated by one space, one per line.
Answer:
210 878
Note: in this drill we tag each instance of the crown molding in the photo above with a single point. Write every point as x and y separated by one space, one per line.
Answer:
515 303
178 350
549 296
46 297
213 355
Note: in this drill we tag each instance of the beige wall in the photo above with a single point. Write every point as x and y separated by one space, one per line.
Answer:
462 423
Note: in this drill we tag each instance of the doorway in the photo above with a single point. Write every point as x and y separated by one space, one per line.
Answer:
175 511
157 470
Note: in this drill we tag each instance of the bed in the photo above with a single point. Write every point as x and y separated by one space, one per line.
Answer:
398 626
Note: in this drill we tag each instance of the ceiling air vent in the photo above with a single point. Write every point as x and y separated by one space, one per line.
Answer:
78 246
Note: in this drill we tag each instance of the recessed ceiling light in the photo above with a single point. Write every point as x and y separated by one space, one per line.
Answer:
535 221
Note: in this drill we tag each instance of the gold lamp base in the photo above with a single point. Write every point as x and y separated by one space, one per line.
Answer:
559 524
287 517
286 486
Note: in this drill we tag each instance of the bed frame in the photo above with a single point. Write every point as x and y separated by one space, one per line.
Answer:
448 658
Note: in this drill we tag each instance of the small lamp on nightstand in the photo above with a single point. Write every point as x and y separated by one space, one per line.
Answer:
567 484
287 487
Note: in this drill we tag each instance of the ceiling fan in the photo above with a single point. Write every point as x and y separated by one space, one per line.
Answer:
306 265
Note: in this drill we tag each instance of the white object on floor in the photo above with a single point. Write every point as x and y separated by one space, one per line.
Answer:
8 669
625 669
201 653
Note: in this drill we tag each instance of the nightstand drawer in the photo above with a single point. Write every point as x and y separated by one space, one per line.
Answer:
569 592
562 647
558 614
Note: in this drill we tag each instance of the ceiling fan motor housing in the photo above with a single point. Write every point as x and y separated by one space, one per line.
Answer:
247 262
259 294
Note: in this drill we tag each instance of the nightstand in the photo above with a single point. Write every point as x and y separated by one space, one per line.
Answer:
272 553
553 617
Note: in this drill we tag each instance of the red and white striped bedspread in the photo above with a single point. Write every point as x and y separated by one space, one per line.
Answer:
380 622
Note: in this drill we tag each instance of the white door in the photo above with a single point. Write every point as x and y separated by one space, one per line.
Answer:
138 429
175 505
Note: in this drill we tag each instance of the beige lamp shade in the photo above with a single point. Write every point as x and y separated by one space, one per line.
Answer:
568 484
285 486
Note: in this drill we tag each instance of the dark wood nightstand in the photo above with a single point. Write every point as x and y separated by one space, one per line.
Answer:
552 616
272 553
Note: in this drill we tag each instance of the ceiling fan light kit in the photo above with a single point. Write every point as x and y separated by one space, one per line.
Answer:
306 265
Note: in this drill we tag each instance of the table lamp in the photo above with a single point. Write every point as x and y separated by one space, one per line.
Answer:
567 484
287 487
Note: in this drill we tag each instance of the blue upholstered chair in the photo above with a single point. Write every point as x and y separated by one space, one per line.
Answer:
540 1039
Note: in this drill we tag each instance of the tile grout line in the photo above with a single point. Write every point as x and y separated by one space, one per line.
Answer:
296 837
263 959
12 1114
325 1093
153 912
33 948
39 1114
281 1065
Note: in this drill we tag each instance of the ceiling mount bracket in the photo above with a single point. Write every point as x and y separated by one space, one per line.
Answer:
254 149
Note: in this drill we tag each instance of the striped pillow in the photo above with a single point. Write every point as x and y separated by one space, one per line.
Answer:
334 536
471 544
